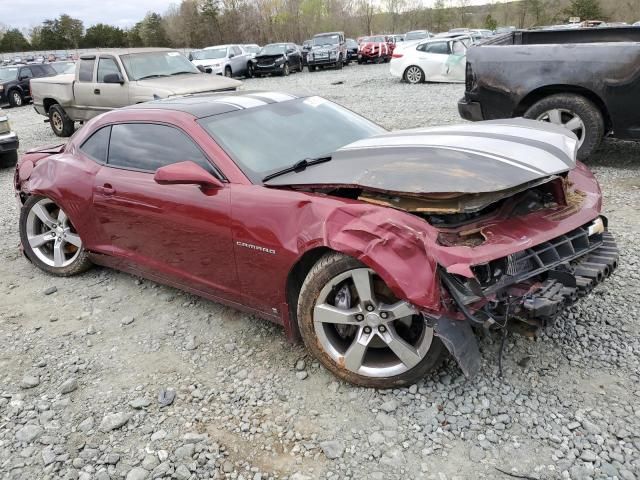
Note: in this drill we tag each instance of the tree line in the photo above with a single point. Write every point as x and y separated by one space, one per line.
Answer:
198 23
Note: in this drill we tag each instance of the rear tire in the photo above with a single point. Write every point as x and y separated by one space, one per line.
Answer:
227 72
60 123
15 98
387 329
578 111
8 159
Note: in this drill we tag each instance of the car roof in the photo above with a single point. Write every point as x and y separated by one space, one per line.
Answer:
208 104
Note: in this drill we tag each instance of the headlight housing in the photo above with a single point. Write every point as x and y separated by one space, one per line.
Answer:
280 61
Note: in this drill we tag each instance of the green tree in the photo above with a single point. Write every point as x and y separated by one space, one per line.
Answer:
152 31
585 9
490 23
441 16
104 36
14 41
60 33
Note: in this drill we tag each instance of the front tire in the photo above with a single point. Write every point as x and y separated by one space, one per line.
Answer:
16 99
575 113
353 324
49 238
413 74
340 63
60 122
285 70
227 72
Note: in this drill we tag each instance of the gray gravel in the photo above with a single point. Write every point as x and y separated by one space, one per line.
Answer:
80 387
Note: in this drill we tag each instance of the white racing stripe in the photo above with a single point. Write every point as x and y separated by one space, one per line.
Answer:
513 153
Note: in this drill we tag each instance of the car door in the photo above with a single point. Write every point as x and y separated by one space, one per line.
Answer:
294 56
83 88
432 58
109 95
24 78
238 62
178 233
455 65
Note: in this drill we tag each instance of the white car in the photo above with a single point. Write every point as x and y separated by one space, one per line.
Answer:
434 60
227 60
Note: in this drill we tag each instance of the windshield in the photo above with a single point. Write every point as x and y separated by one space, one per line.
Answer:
61 68
351 43
8 74
415 36
326 40
156 64
258 138
273 49
210 53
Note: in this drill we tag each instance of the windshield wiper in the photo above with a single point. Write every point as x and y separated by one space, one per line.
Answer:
297 167
181 73
155 75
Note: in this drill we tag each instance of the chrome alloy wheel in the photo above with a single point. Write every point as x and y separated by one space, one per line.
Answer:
567 119
413 74
51 235
17 99
363 333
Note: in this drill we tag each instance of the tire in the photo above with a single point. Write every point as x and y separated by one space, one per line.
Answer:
376 364
300 67
228 72
8 159
60 123
572 106
340 63
413 74
285 70
312 68
74 258
16 99
249 70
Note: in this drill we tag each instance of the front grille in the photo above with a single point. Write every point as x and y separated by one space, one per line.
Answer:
535 260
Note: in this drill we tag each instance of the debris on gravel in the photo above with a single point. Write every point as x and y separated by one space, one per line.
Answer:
236 408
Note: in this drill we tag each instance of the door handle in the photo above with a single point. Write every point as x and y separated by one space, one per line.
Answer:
106 189
96 91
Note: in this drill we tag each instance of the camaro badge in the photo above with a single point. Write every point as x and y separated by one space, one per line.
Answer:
256 247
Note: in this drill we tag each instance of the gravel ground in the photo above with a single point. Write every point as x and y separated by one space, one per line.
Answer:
81 368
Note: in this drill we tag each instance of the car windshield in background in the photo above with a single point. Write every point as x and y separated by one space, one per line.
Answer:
65 67
352 43
415 36
156 64
8 74
210 53
326 40
258 138
252 49
273 49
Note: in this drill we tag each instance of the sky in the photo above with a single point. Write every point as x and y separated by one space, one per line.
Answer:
24 14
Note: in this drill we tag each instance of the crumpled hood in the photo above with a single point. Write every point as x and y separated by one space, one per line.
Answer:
190 83
477 157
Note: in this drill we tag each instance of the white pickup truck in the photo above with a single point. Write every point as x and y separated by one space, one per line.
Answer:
110 79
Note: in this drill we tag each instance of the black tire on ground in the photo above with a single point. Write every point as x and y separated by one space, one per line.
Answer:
249 70
580 106
79 265
360 61
285 70
228 72
300 66
312 68
413 74
339 63
328 267
60 123
8 159
16 99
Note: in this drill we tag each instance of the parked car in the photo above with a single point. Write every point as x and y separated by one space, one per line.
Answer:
110 79
349 237
588 82
8 143
328 50
376 49
417 35
352 50
277 58
251 49
227 60
63 68
15 82
434 60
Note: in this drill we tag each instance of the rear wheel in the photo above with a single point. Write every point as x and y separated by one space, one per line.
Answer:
352 323
60 123
8 159
227 71
414 74
575 113
49 238
15 98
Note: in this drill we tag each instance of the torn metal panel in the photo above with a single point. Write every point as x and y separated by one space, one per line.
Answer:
464 159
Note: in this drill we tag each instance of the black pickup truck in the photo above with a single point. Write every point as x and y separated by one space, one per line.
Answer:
587 80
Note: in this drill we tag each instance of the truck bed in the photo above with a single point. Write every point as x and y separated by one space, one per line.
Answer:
578 35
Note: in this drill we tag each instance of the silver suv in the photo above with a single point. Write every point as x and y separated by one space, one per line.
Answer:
227 60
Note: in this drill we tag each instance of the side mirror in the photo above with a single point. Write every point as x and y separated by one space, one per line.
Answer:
186 173
201 68
23 77
231 55
113 78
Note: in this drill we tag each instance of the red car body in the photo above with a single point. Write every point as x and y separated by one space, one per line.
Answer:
372 50
248 245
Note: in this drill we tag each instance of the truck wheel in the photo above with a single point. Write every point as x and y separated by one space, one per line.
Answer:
357 328
15 98
60 123
8 159
340 63
575 113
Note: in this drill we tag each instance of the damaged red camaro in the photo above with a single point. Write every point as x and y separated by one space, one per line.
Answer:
382 250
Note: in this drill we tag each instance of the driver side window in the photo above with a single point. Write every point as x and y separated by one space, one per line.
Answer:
106 65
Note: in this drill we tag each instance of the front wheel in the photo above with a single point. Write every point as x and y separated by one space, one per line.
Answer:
16 99
227 71
285 70
575 113
312 68
414 74
354 325
60 122
49 238
340 63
